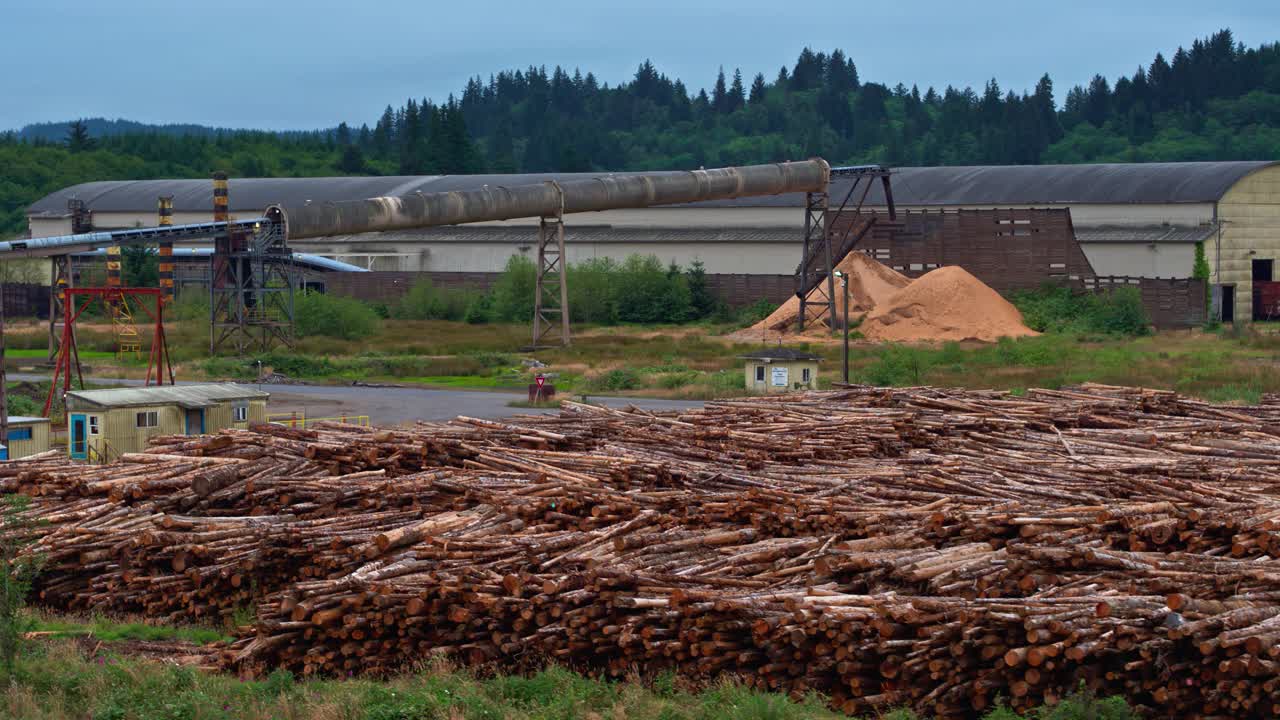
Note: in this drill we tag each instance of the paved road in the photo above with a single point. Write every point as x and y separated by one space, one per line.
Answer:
391 406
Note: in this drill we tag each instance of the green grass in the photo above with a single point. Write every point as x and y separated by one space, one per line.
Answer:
42 353
55 681
114 631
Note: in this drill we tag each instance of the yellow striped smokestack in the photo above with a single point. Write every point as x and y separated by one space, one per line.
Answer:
165 209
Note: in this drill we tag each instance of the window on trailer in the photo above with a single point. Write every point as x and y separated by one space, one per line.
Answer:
148 419
759 373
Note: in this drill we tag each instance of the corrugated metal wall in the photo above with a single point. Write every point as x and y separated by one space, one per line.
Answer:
1250 216
38 443
121 434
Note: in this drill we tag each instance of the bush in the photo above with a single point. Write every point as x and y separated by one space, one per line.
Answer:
593 293
336 317
899 365
479 310
646 293
749 315
619 379
1059 309
512 293
425 301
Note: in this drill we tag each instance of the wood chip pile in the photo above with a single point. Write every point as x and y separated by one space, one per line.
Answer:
919 547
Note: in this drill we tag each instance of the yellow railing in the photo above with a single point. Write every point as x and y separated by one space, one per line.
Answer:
300 419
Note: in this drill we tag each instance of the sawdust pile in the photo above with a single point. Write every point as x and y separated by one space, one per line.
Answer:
945 304
870 284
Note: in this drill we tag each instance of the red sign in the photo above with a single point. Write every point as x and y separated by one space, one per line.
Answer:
541 381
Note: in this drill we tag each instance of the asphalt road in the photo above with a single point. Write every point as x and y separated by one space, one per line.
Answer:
392 406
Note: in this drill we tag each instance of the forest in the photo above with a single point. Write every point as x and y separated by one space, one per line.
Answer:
1216 100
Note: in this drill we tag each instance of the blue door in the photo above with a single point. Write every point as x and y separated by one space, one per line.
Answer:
195 422
79 441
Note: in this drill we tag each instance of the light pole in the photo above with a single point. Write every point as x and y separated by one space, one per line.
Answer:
844 281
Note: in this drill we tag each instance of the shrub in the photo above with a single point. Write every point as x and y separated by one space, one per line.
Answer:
337 317
619 379
17 571
702 302
646 293
425 301
1056 308
512 293
898 365
749 315
593 294
1119 311
479 310
22 405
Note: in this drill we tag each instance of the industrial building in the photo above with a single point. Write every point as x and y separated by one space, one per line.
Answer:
103 424
1137 220
27 436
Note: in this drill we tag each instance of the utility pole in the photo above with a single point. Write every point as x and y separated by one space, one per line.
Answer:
4 379
844 281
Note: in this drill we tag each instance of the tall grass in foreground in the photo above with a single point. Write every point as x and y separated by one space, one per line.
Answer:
57 682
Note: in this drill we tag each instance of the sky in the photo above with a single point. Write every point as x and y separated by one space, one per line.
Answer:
290 64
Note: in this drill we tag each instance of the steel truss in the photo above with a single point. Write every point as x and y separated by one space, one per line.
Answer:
821 251
252 278
68 359
551 291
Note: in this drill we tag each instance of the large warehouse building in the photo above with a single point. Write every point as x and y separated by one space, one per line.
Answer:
1140 220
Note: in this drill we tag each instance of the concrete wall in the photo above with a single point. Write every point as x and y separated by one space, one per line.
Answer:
1166 260
1250 217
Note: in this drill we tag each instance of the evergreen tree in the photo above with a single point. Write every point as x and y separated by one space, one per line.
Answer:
78 139
737 97
352 162
720 94
757 89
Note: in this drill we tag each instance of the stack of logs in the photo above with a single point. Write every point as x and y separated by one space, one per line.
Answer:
910 547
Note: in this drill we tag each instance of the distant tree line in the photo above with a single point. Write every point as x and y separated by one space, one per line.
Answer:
1216 100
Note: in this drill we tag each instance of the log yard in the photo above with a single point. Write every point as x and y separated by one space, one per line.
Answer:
391 371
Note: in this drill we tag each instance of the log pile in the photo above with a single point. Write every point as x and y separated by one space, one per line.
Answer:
886 547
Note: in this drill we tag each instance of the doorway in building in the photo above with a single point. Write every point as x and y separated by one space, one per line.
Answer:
1227 303
1266 292
195 422
79 443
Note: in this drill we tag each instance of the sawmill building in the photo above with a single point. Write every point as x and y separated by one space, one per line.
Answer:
1139 220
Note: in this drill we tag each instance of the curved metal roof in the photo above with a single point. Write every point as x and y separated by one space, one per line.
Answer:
255 194
1041 185
1150 183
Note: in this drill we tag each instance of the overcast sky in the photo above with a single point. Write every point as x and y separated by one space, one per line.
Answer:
290 64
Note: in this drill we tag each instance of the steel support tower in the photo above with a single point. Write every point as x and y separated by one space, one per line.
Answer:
823 250
251 291
551 290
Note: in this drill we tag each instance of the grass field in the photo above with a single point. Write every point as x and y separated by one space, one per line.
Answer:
698 362
61 679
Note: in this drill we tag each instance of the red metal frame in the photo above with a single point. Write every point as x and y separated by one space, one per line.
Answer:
159 360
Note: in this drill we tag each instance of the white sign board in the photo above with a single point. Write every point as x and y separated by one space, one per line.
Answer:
779 377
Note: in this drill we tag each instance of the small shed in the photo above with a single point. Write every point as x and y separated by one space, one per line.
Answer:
103 424
27 436
779 369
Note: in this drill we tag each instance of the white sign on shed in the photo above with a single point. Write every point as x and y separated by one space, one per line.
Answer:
779 377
